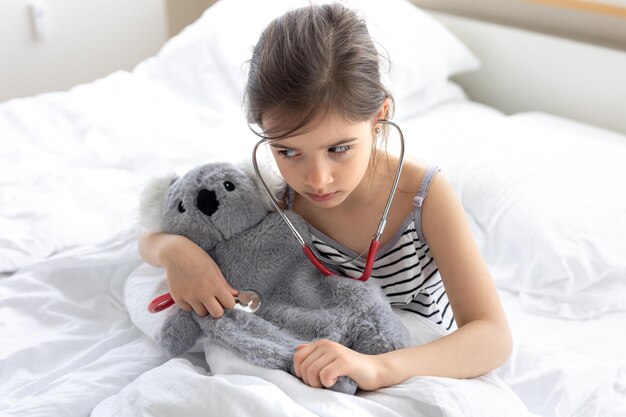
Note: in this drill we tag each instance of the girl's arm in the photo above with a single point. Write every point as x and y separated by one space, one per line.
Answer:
483 339
195 281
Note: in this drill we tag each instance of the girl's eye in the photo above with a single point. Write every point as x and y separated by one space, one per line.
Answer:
181 207
340 149
229 186
287 153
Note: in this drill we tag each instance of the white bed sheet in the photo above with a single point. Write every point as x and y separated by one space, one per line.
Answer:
602 338
574 362
68 341
544 196
71 163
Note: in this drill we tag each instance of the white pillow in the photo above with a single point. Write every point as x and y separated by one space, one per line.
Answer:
547 202
206 61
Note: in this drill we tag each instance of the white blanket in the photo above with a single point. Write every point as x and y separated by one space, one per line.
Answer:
67 340
179 388
239 388
69 346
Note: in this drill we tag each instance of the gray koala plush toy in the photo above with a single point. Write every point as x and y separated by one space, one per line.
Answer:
218 206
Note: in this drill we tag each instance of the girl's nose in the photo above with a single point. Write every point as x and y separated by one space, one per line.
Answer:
318 175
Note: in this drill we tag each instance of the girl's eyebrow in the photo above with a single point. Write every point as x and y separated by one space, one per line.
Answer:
339 143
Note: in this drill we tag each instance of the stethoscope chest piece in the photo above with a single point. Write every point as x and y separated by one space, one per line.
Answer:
248 301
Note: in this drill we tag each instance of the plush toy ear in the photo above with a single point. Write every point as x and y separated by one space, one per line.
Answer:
274 182
152 199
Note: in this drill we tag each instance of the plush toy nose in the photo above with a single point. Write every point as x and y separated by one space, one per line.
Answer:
207 202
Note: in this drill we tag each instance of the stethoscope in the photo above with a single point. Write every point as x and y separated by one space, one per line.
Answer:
312 254
249 300
246 300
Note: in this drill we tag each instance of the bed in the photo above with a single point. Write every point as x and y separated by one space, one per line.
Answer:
544 195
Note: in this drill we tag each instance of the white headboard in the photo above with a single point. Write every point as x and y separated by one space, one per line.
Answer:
525 71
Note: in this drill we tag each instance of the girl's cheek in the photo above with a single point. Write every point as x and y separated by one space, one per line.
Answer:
289 173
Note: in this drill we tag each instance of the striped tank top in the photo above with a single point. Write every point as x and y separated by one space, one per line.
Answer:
404 267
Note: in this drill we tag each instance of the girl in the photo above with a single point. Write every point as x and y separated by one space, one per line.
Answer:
314 88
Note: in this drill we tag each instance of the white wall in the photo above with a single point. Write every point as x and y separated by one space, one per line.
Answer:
587 22
86 39
528 71
183 12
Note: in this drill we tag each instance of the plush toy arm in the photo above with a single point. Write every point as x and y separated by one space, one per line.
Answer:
261 343
378 330
346 385
372 326
252 338
179 333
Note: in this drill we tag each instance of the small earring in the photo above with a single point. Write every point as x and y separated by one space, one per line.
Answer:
377 130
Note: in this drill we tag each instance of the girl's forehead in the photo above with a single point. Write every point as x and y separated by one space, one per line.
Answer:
328 123
326 132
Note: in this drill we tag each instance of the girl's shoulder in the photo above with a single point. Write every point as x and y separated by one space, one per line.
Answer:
413 174
424 180
406 205
437 205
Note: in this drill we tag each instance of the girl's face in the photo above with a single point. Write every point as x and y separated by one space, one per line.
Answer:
325 164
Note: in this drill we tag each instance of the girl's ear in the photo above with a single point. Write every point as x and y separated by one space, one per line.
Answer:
152 200
383 112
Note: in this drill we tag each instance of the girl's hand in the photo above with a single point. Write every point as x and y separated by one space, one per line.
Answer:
320 363
195 281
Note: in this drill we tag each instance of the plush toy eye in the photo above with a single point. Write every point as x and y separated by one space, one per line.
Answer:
229 186
181 208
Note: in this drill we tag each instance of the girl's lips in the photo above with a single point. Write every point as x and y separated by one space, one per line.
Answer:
323 197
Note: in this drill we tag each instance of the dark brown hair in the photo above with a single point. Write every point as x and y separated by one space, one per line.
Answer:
310 61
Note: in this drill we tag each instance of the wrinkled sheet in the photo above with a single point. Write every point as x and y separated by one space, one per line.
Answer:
72 163
240 389
233 380
70 346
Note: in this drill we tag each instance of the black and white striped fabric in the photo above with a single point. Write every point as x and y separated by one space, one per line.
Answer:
404 267
407 273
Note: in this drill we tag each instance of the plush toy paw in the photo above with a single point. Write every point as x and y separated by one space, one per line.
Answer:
178 334
346 385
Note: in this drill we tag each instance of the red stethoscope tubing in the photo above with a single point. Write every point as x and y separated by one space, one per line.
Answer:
369 264
160 303
316 262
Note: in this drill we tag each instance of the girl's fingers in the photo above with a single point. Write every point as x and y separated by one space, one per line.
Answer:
180 302
302 351
329 374
226 299
214 307
199 308
225 293
233 291
184 305
309 360
312 369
